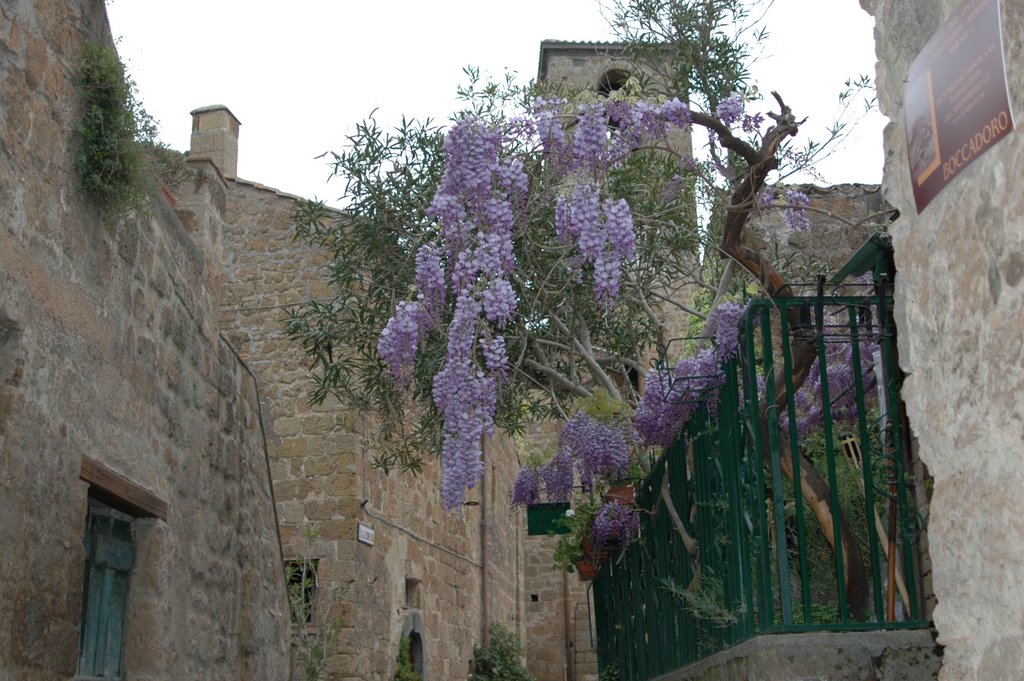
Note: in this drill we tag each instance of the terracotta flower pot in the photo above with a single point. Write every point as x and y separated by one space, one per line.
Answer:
591 553
587 571
622 494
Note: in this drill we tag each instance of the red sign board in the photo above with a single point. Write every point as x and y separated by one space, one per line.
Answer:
957 105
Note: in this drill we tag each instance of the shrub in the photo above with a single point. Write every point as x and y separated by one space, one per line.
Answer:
115 131
404 671
500 659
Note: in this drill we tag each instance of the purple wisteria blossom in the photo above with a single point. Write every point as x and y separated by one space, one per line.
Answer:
795 215
588 449
810 408
607 275
470 271
499 301
559 476
602 233
526 489
468 399
475 207
724 323
496 356
547 113
598 448
730 109
431 284
615 525
662 413
671 398
400 339
590 143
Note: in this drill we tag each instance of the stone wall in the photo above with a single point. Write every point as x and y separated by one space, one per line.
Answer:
559 616
961 320
424 570
112 370
842 217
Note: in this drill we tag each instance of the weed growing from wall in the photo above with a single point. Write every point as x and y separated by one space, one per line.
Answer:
404 670
115 132
315 612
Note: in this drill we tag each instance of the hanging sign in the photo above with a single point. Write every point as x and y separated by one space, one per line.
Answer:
956 100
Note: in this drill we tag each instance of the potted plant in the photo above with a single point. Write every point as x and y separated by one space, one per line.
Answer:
578 522
597 459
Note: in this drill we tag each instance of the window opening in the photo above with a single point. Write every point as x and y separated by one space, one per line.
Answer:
611 81
302 589
412 593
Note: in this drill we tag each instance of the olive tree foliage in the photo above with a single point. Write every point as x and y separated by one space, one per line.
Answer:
561 343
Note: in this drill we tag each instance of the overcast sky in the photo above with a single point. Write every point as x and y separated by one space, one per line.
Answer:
300 77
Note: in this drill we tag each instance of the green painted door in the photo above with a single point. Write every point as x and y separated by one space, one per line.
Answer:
108 548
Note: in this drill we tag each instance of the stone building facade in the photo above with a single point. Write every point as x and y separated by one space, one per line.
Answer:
130 438
436 577
960 311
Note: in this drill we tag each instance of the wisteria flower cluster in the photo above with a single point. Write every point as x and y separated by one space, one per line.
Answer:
730 109
615 525
592 149
475 208
792 201
526 489
671 398
840 376
600 228
796 216
589 450
602 234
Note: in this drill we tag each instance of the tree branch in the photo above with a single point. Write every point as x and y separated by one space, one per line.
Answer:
582 341
556 377
666 498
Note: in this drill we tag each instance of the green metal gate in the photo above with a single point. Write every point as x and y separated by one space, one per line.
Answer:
764 561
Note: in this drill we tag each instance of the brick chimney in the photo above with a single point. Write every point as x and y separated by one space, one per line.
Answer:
215 137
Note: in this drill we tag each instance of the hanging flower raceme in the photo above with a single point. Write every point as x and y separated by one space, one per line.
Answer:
671 398
400 340
559 476
475 208
796 216
615 525
431 285
730 109
526 489
602 234
599 449
809 401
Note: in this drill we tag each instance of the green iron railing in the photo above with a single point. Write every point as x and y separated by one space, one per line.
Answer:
764 560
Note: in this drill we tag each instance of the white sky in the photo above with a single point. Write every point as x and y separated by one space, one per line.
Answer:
300 75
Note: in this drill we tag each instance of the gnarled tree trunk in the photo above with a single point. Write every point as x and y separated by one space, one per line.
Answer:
815 490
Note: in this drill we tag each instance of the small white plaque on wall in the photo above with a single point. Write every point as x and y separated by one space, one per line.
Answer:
365 534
